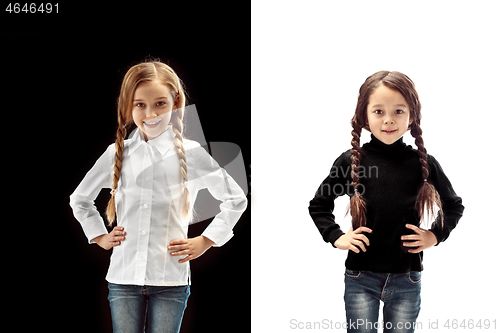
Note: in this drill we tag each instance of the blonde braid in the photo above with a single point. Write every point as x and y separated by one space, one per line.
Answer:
119 143
178 127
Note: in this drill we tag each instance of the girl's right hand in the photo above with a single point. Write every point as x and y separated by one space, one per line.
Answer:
352 238
112 239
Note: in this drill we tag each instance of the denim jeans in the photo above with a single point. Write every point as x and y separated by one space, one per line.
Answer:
400 293
162 306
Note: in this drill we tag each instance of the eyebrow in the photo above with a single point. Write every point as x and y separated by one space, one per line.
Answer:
140 99
395 105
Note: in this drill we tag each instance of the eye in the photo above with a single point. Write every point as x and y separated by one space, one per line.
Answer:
160 104
378 111
140 105
398 112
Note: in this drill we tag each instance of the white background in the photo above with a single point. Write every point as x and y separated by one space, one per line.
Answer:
309 59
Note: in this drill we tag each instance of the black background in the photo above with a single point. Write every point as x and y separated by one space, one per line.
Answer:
61 75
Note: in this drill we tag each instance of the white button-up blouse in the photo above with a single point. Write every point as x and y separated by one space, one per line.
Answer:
148 202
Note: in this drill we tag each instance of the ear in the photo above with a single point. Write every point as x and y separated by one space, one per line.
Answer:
411 122
367 125
176 103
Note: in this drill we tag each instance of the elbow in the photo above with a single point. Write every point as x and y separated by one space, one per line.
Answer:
72 201
244 203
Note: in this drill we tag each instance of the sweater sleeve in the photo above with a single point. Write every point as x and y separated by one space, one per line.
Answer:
451 203
322 205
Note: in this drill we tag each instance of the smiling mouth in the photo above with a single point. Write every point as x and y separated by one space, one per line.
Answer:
152 123
389 131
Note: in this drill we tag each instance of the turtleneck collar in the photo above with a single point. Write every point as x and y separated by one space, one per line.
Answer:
375 145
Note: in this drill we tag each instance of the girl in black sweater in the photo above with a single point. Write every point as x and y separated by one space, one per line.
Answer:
392 189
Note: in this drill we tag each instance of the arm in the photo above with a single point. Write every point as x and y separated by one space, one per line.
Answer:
222 187
114 238
82 199
192 248
322 205
452 212
451 202
353 239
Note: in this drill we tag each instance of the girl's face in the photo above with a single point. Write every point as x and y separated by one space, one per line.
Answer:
152 108
388 114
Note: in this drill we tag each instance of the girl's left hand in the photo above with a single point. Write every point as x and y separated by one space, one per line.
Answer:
192 247
422 238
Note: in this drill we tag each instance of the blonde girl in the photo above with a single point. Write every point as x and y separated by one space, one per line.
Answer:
392 188
154 177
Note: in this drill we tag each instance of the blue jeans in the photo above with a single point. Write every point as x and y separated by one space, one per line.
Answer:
162 306
400 293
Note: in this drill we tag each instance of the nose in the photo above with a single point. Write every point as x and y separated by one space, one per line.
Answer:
388 121
150 113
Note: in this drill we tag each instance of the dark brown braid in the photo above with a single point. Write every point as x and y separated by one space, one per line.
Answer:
357 204
428 198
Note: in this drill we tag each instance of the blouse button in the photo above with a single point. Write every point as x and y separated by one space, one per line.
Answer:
145 206
143 232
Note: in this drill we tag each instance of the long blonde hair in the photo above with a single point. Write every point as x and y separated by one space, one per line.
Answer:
147 72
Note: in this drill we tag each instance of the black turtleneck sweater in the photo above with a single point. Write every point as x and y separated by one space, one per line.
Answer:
390 177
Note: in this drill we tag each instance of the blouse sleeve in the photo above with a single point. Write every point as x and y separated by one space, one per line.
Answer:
82 199
322 205
223 188
451 203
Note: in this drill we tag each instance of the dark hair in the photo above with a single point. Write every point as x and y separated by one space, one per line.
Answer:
428 198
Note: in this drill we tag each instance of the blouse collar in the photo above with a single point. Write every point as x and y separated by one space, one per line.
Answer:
162 142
